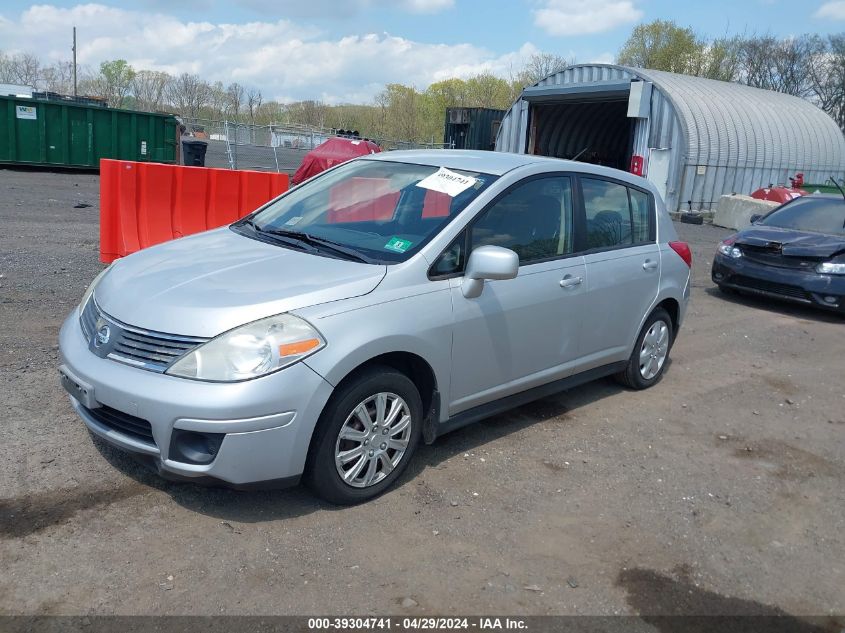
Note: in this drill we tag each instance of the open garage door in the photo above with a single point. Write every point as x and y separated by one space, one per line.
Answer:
600 122
597 132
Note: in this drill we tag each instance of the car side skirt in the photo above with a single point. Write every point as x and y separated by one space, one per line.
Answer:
488 409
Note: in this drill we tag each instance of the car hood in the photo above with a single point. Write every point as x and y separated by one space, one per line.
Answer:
208 283
794 243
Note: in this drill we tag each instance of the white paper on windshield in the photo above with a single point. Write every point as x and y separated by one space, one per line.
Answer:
449 182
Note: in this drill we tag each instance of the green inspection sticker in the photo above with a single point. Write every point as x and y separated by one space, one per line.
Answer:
398 245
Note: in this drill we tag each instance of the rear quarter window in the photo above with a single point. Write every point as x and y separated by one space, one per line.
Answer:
616 215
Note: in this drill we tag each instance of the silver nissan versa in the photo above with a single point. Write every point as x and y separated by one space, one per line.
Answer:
386 301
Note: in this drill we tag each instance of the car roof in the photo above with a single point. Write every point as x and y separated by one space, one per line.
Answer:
496 163
499 163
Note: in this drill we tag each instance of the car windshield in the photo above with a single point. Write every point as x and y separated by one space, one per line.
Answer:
818 215
368 210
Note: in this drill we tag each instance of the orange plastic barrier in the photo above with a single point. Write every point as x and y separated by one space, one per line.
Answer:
142 204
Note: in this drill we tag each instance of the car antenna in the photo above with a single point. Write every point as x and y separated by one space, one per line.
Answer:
836 184
578 155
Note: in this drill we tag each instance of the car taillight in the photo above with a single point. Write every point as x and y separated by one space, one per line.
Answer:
683 250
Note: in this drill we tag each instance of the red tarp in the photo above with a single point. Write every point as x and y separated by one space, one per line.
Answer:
332 152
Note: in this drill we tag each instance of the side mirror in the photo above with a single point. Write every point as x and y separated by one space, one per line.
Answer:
488 262
756 217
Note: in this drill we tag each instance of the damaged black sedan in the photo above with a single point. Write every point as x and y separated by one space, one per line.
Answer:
796 252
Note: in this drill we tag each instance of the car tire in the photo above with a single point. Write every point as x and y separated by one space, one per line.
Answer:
648 359
356 400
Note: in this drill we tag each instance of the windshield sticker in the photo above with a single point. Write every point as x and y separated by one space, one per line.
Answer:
294 220
446 181
398 245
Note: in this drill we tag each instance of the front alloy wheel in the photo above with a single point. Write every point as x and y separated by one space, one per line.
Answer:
373 440
365 437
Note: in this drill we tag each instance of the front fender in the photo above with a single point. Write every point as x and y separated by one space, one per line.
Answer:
420 324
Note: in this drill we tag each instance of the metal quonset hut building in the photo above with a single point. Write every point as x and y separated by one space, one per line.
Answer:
696 139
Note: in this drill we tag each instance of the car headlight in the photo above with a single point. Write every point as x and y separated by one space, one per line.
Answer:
91 288
730 250
251 350
831 268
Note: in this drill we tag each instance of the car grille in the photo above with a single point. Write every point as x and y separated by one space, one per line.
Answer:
770 256
762 285
154 351
123 423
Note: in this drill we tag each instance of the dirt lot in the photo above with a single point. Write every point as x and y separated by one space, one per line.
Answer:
718 491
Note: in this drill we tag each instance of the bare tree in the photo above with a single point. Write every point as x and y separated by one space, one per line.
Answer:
782 65
827 75
217 100
235 98
188 94
253 103
149 87
58 77
23 69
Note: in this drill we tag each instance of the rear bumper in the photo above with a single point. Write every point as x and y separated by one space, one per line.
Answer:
797 286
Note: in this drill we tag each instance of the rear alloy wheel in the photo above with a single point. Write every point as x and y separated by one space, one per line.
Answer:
366 436
648 360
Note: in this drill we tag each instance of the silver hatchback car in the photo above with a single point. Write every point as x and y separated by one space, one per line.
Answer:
386 301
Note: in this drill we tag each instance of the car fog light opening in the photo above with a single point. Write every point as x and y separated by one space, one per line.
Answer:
191 447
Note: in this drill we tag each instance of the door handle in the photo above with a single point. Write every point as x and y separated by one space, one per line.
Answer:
649 265
570 282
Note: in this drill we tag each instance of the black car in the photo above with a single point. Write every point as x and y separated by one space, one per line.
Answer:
795 252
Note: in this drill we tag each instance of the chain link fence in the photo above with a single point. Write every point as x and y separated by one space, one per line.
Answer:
277 147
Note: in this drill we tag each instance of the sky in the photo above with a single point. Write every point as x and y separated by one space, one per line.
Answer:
345 51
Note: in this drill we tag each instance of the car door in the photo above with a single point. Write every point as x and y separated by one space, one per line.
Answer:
622 262
520 332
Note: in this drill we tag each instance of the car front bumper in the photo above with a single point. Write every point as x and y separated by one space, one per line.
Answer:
791 284
266 423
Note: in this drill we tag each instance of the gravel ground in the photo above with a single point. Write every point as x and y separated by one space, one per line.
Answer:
718 491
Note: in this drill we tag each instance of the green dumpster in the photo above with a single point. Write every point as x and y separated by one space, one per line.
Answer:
66 134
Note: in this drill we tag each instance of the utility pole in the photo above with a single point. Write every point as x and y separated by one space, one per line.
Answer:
74 61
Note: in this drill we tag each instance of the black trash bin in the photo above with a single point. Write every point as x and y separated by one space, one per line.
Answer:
193 153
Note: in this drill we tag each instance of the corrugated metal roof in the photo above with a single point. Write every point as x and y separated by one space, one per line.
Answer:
724 124
731 124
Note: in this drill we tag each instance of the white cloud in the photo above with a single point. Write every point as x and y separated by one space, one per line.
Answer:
282 58
604 58
428 6
334 10
582 17
831 10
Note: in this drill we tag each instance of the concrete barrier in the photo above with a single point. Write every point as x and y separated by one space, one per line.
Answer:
734 212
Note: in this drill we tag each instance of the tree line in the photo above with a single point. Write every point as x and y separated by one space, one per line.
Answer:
397 112
808 66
